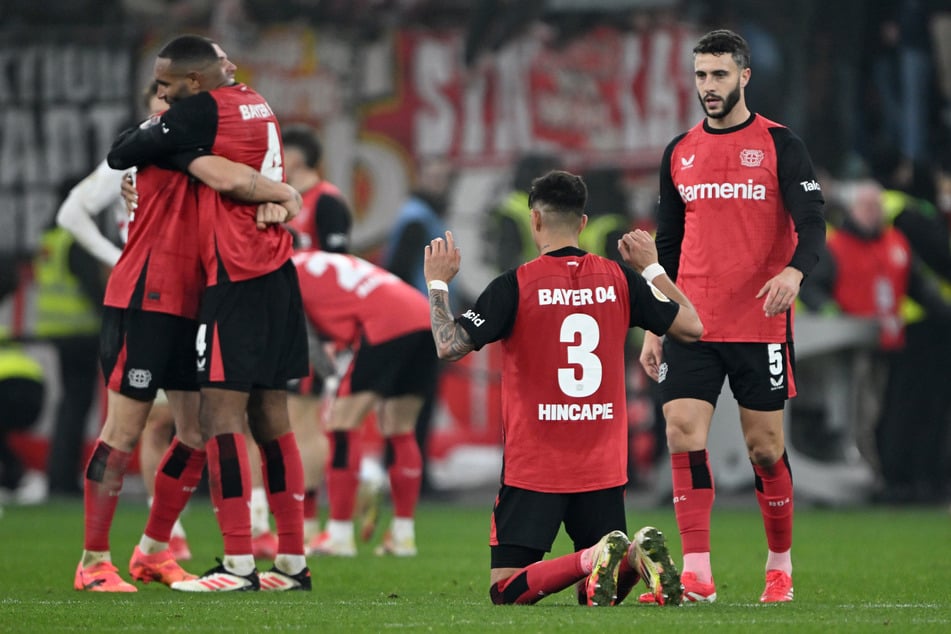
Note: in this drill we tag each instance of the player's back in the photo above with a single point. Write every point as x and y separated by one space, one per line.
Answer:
563 392
346 297
160 268
233 248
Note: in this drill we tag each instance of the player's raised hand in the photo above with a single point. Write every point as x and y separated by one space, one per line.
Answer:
441 259
637 248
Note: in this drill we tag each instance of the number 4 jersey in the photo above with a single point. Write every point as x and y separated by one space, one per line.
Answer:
237 123
563 319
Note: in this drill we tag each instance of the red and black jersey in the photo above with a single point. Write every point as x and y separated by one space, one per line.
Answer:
872 279
736 207
562 319
160 269
237 123
347 298
324 221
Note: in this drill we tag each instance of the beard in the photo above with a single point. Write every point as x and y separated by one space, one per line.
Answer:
728 103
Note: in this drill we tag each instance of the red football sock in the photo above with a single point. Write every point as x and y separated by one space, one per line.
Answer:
693 499
310 503
627 578
404 464
536 581
175 481
104 474
229 477
343 473
774 492
284 483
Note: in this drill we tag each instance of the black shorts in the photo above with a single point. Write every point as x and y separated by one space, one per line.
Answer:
761 374
251 334
141 351
525 523
310 385
398 367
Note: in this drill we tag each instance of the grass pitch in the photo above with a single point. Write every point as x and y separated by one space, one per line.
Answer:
855 571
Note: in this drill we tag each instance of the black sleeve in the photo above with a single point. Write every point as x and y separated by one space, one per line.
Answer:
333 218
88 271
671 212
801 196
493 315
408 255
650 309
816 290
186 129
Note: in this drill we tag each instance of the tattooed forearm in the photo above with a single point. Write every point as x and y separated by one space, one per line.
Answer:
452 341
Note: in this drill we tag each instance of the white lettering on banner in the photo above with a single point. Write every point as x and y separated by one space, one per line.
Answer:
53 130
607 94
575 411
703 191
576 296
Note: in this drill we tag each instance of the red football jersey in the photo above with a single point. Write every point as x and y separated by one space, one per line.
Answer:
872 279
346 297
563 399
160 269
232 246
737 231
305 223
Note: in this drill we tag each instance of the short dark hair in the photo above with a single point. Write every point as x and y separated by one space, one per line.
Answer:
306 140
725 41
189 51
559 191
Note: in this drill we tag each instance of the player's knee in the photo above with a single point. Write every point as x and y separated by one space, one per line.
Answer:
765 454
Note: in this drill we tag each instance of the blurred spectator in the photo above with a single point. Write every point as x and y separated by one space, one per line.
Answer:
507 223
69 291
871 271
21 400
325 219
420 219
607 212
901 56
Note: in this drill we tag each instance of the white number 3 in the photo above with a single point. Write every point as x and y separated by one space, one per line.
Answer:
584 329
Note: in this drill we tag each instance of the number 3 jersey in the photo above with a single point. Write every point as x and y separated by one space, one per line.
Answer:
563 319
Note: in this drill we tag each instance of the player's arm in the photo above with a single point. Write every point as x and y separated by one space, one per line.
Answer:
244 183
188 125
638 249
802 196
88 198
671 216
441 261
489 320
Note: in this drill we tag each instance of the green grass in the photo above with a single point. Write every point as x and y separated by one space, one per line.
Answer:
855 571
